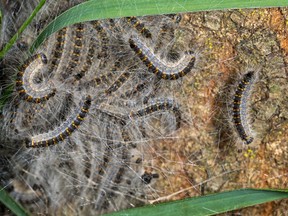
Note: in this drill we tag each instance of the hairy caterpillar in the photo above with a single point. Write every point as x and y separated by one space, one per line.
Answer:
139 26
89 59
159 105
25 80
58 49
63 131
103 37
99 170
118 83
77 45
104 168
240 103
138 88
157 67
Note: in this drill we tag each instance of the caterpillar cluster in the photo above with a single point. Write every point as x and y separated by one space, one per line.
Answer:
86 104
89 103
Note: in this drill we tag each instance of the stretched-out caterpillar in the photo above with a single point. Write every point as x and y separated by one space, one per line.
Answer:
60 133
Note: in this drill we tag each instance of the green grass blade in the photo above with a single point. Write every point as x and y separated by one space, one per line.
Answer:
101 9
21 29
207 205
12 204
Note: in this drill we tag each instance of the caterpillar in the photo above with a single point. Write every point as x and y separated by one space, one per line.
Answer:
103 78
107 173
89 59
175 17
24 81
138 88
77 46
103 37
60 133
159 105
139 26
240 102
58 49
112 169
118 83
156 66
115 118
96 81
167 34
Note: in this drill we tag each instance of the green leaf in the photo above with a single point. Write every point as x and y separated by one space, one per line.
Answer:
21 29
207 205
97 9
16 208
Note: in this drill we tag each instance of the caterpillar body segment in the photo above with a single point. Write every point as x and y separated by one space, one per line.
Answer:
61 132
25 85
157 67
240 103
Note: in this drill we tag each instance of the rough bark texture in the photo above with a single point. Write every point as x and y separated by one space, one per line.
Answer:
207 158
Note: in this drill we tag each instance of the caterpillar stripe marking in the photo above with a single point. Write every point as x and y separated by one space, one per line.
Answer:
77 48
104 39
89 58
58 49
175 17
138 88
118 83
160 105
122 152
113 117
156 66
24 81
111 170
240 102
104 78
60 133
98 80
153 92
139 26
106 155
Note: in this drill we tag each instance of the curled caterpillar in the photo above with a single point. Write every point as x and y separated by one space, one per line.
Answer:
60 133
157 67
240 102
25 85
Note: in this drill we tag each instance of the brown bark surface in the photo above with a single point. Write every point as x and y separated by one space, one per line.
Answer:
206 156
